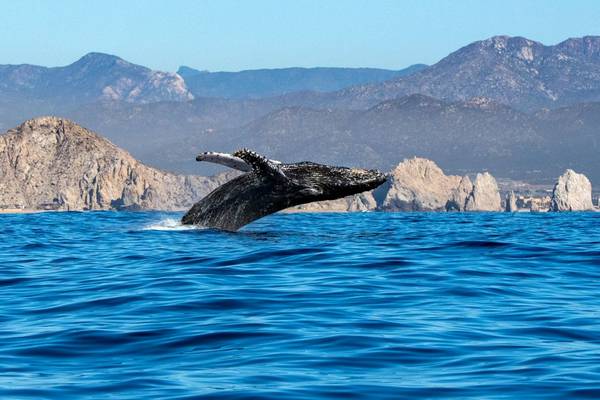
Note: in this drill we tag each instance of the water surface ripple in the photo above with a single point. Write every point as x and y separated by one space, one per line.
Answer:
387 306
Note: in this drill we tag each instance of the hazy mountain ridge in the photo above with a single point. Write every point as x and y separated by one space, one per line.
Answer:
368 125
93 77
516 71
461 136
279 81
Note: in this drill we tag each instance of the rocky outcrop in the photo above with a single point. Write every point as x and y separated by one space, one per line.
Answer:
460 195
53 163
357 203
511 202
572 192
485 195
419 184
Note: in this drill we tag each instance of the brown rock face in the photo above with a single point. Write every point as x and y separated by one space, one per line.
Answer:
53 163
419 184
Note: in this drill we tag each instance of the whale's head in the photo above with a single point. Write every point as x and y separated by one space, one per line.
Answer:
316 182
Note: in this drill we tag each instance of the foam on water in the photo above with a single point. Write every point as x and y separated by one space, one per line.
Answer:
170 224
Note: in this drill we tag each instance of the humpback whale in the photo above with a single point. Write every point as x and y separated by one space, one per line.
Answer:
268 186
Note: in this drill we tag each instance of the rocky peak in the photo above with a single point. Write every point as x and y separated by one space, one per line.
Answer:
505 47
51 126
95 76
53 163
587 47
98 59
507 43
512 71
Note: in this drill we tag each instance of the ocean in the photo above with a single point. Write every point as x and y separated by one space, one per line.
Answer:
132 305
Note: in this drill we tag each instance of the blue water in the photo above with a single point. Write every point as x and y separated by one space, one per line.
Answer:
109 305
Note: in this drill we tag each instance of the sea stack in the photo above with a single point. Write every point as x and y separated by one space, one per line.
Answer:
419 184
485 195
511 202
572 192
460 195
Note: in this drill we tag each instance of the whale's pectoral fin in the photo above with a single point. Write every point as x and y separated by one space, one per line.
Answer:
260 164
225 159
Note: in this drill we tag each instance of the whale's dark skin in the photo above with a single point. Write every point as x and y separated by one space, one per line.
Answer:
271 186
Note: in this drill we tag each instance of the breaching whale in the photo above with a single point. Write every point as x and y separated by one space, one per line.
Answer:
268 186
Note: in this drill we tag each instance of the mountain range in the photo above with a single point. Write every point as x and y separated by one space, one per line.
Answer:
461 136
515 71
507 104
275 82
93 77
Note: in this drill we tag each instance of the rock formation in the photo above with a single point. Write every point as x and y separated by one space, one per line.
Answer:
359 202
511 202
485 195
419 184
572 192
53 163
459 196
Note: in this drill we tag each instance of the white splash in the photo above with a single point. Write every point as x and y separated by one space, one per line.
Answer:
170 224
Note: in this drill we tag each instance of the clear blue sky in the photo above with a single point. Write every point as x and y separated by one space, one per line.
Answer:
234 35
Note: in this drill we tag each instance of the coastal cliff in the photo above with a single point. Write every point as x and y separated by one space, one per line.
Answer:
53 163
